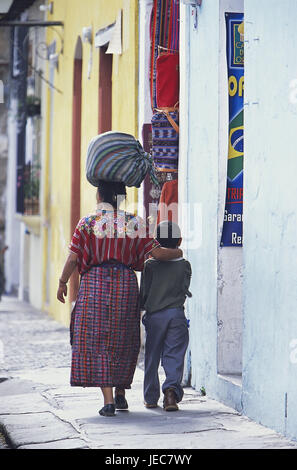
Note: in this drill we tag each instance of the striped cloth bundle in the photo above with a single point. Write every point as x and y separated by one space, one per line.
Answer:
116 156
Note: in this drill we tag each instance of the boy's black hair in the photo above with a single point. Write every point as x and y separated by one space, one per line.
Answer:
168 234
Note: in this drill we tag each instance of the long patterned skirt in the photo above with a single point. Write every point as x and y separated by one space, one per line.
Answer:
105 328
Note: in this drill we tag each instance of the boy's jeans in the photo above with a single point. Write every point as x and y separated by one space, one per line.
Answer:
167 338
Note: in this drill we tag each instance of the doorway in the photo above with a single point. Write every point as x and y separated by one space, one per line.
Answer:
76 155
105 91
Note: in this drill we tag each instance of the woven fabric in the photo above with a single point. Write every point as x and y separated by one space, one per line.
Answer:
168 203
116 156
164 34
165 142
109 234
167 80
105 332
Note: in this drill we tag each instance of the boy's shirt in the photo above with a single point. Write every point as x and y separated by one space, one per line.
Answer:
164 284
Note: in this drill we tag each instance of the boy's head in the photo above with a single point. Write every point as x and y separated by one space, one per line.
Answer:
168 234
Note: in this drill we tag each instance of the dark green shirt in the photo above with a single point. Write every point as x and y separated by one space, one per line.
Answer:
164 284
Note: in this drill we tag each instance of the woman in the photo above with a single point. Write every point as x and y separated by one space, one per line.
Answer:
107 247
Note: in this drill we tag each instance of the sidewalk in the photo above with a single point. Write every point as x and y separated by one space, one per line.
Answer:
39 410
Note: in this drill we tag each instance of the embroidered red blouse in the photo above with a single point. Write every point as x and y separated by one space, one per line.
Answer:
109 235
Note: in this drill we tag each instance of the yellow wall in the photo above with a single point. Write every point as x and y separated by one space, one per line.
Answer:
76 15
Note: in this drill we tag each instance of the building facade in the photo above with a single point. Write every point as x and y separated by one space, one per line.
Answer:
242 314
4 75
93 66
24 124
73 74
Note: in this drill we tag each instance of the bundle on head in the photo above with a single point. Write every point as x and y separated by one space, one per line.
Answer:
116 156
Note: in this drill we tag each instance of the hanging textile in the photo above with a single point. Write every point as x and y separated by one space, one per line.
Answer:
165 140
168 209
164 35
167 80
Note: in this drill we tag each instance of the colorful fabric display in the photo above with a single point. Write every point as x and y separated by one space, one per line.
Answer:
116 156
167 80
164 35
165 140
168 200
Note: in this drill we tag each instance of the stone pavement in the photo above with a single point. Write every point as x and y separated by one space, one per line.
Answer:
39 410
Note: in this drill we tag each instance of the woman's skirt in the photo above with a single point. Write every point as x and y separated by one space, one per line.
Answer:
105 328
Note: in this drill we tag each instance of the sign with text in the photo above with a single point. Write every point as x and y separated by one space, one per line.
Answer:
232 227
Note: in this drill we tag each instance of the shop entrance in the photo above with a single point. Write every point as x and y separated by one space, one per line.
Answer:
76 140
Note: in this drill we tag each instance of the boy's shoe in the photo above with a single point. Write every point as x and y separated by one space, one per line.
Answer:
150 405
169 402
120 402
107 410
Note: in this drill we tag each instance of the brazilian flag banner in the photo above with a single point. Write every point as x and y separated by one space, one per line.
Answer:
232 227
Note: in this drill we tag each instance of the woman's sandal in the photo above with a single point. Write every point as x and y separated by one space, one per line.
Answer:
107 410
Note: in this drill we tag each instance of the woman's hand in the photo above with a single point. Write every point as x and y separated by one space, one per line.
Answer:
68 269
62 292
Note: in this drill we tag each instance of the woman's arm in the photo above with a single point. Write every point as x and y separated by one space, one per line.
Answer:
68 269
165 254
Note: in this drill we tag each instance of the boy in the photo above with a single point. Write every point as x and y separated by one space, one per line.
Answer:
163 290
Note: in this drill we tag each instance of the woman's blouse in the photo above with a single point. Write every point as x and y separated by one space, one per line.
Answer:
109 234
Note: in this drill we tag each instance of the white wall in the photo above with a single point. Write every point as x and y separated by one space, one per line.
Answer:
270 250
35 271
269 341
12 225
202 182
198 179
230 262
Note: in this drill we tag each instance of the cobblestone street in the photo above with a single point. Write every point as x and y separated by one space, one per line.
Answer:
39 410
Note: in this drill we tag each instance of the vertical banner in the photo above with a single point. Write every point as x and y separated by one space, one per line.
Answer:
232 227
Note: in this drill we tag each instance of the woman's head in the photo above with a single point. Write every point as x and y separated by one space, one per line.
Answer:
108 191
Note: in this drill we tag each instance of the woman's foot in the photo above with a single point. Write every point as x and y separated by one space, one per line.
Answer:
120 400
108 410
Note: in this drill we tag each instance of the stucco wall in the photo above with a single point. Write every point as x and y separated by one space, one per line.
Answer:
270 252
198 181
216 280
229 258
269 334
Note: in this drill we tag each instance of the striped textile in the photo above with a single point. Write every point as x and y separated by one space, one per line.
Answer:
109 234
105 328
164 33
165 141
116 156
